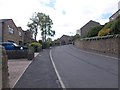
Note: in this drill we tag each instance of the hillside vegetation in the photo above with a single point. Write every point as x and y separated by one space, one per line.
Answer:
110 28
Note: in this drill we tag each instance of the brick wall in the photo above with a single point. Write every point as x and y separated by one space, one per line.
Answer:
106 45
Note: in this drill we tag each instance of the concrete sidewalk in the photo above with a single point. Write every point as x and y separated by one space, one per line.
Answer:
16 69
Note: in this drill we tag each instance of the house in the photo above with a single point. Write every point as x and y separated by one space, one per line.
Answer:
28 37
64 40
56 42
116 14
21 36
9 32
87 27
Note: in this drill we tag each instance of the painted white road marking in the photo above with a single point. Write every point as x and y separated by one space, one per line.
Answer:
60 80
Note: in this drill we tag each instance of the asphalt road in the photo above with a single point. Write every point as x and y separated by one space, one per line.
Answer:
81 69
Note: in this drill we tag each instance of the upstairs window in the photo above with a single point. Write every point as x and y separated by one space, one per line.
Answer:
20 34
10 30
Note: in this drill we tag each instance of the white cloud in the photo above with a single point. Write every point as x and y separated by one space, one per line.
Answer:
67 15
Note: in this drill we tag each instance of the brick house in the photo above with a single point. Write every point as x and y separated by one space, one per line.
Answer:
9 32
87 27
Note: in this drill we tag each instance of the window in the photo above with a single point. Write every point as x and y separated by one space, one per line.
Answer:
20 34
10 30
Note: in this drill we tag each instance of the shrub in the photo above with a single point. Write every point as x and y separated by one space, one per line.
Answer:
75 37
104 32
36 46
108 25
106 29
115 29
94 31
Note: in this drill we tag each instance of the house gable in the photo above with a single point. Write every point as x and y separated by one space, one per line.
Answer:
87 27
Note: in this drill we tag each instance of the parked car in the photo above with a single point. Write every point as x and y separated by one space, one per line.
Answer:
11 46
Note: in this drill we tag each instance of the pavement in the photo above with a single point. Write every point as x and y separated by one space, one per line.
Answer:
16 69
39 74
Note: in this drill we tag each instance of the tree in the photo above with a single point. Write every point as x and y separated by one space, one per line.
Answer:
75 37
115 29
44 23
33 28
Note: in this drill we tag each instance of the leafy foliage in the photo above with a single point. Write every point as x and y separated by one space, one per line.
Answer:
104 32
44 23
36 46
115 29
48 43
111 28
106 29
94 31
77 36
108 25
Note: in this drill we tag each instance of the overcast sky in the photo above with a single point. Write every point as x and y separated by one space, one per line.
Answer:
67 15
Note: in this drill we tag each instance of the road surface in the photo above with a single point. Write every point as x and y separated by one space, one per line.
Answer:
82 69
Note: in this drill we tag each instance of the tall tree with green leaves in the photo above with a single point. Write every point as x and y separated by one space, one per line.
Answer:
42 22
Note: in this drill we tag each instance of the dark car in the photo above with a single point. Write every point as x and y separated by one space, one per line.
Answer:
11 46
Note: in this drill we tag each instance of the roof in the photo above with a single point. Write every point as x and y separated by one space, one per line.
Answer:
64 36
4 20
114 13
90 22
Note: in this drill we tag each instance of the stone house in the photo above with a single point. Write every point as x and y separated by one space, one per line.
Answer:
116 14
64 40
87 27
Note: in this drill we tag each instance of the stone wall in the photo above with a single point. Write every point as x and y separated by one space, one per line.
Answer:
106 45
4 75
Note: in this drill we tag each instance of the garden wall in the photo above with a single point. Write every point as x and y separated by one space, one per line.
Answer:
20 54
4 75
105 45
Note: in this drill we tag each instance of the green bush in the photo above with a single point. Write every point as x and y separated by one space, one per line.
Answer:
104 32
115 29
108 25
75 37
36 46
94 31
106 29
